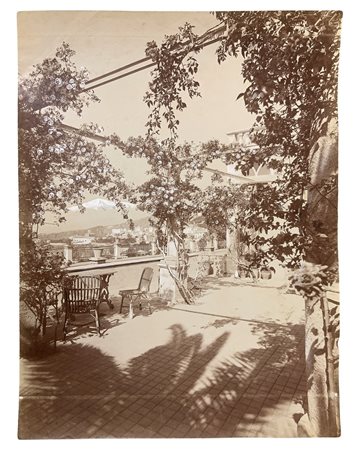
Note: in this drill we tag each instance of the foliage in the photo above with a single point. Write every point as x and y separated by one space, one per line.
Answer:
202 243
57 167
41 281
219 204
170 195
56 82
309 279
172 76
290 65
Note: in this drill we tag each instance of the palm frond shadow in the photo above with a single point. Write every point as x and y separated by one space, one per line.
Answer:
169 389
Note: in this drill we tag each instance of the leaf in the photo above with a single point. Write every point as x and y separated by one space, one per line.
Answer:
240 96
333 310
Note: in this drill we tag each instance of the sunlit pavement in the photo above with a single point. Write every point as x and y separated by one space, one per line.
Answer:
230 365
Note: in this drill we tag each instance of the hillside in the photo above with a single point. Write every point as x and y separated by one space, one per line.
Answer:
98 230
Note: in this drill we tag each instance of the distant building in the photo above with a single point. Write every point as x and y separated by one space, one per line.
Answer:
82 240
259 173
195 232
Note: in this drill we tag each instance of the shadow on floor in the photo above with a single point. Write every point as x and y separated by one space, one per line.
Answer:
84 326
81 392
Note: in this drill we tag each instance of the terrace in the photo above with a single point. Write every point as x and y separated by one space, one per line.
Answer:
232 364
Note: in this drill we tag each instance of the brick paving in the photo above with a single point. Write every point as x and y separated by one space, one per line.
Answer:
231 365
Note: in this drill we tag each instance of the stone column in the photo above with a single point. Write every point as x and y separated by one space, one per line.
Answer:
232 252
229 238
171 249
192 246
167 284
116 250
68 253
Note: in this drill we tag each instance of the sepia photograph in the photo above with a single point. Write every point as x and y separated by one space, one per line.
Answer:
178 224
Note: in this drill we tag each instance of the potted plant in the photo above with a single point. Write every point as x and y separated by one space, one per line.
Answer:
241 272
251 265
266 272
98 252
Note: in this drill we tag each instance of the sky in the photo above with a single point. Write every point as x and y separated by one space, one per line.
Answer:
104 41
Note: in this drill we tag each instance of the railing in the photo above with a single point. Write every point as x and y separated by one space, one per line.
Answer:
242 138
84 253
126 272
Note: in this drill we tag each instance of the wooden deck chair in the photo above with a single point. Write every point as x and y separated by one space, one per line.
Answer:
81 295
141 293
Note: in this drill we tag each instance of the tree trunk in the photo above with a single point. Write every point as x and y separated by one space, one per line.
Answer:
323 408
316 368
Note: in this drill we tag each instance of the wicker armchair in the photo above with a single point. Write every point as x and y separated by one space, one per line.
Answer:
81 295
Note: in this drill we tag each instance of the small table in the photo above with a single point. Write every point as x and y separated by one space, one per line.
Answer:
104 292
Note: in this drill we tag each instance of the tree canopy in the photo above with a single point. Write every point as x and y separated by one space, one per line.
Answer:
57 168
290 66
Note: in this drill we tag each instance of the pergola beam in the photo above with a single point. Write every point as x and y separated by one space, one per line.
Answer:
241 179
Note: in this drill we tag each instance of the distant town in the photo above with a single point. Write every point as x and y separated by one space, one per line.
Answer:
124 240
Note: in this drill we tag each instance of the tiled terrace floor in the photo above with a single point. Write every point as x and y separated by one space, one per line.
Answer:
230 365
